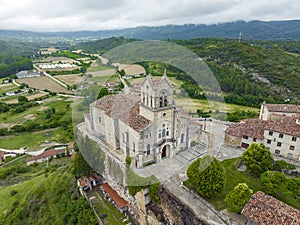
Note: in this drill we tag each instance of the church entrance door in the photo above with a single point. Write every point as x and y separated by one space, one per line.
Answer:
165 151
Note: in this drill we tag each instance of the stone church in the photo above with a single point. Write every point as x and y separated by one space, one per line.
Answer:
148 126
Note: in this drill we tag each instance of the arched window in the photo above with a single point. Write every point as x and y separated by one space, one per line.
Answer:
165 101
182 138
161 103
163 133
133 146
148 149
167 133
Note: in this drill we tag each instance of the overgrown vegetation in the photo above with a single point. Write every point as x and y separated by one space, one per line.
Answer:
51 199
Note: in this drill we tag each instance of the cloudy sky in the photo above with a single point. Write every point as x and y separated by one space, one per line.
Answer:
71 15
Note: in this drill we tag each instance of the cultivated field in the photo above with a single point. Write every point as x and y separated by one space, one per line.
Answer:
43 83
69 79
58 59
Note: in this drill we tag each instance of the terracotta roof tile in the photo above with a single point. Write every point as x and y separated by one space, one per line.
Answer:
287 125
266 210
283 108
124 107
46 154
120 202
249 127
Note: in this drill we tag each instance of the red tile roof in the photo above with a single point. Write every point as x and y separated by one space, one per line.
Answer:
283 108
46 154
266 210
287 125
120 202
124 107
249 127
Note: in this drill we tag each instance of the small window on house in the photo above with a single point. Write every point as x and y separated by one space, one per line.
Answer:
133 146
279 144
254 139
159 135
245 137
164 114
294 138
292 147
271 133
280 135
269 141
100 120
277 152
167 133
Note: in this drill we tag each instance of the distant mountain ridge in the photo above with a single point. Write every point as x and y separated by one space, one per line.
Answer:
256 30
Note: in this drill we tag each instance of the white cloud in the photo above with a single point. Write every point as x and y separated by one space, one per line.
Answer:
64 15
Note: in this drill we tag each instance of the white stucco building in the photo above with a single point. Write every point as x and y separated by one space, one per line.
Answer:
278 127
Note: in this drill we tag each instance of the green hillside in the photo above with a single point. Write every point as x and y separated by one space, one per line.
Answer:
252 72
49 196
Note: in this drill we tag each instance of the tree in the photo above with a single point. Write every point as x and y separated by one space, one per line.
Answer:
207 175
22 99
257 158
103 92
238 197
271 181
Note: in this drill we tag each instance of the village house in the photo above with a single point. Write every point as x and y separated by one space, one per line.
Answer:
114 197
25 74
263 209
274 112
46 155
277 128
147 127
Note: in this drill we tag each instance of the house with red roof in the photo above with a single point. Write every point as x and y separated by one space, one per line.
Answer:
263 209
46 155
114 197
280 133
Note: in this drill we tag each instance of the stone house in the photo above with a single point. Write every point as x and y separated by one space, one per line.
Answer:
279 130
274 112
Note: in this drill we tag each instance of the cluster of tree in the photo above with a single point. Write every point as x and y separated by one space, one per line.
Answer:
103 45
274 183
207 175
238 115
13 171
250 68
14 65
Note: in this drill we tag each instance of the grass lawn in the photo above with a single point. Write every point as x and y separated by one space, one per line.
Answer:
33 140
103 206
99 68
191 105
234 177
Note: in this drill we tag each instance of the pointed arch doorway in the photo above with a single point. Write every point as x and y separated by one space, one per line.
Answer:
165 152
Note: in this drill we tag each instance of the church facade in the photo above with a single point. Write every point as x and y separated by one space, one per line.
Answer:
147 127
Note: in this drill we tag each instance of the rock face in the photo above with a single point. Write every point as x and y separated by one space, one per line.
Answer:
172 211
